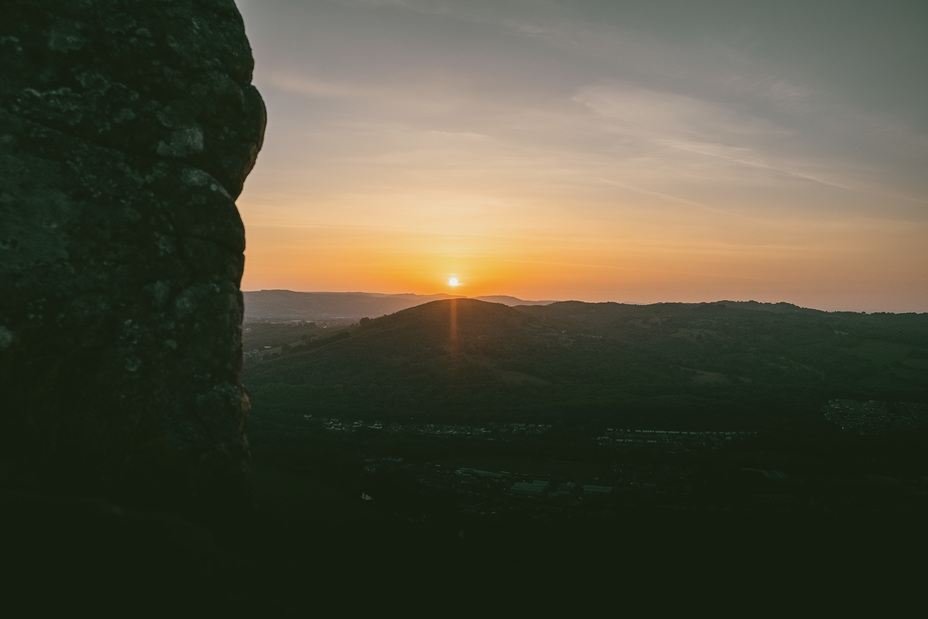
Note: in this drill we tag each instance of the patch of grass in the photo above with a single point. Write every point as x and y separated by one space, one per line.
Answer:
290 497
523 466
881 352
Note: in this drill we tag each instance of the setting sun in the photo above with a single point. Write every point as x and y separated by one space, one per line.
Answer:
745 171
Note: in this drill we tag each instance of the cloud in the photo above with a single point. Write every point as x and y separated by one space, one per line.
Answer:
311 86
779 90
660 115
700 131
700 123
422 6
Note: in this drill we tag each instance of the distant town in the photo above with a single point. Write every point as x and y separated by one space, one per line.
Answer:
642 474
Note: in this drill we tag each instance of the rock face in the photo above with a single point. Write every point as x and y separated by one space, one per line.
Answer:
127 129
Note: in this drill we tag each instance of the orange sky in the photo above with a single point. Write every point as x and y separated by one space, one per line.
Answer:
553 151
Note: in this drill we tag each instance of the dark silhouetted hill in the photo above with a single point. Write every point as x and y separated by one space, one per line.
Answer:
714 365
457 374
281 305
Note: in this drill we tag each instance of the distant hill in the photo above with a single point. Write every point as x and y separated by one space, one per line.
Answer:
671 365
511 301
281 305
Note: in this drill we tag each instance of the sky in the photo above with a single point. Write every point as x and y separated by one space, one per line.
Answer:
596 150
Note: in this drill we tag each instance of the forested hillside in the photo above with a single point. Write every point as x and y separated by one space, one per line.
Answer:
723 365
565 427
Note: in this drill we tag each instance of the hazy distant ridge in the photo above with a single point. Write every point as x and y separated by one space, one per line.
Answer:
290 305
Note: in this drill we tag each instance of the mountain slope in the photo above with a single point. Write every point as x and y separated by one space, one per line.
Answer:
278 305
719 365
444 357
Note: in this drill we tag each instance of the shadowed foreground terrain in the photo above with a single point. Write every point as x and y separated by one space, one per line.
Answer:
710 366
595 444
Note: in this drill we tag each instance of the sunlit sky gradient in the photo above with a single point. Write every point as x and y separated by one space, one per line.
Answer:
593 149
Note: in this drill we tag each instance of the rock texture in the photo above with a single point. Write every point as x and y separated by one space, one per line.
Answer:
127 129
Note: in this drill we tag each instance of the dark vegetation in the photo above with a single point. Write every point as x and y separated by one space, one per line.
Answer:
718 366
746 432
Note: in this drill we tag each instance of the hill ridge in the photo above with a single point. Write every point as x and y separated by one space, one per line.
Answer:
281 304
665 365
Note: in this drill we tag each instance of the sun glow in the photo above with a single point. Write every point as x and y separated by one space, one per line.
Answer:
453 282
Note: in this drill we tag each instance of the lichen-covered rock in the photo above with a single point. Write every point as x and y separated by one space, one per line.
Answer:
126 132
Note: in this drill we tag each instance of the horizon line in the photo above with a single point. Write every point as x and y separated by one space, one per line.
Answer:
549 301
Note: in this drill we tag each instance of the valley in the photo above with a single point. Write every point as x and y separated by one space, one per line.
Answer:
462 415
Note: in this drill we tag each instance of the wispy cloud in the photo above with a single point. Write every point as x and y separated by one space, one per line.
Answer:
311 86
424 6
779 90
582 128
659 115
